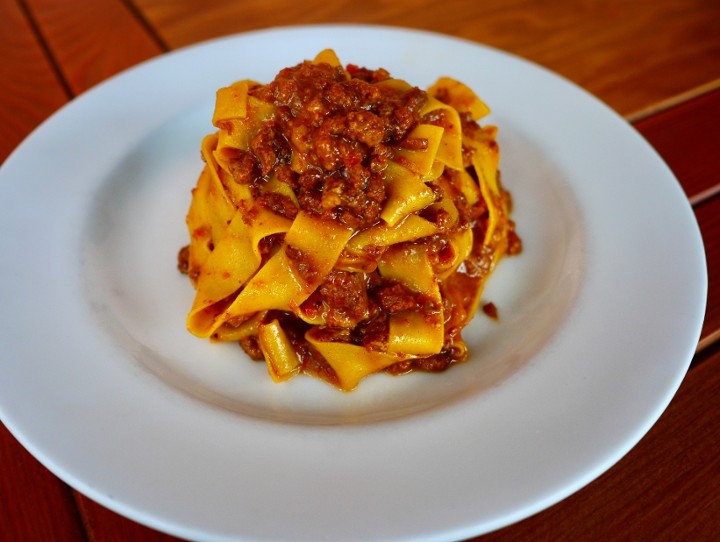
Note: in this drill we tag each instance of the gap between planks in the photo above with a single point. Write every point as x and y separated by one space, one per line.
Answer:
673 101
139 16
45 46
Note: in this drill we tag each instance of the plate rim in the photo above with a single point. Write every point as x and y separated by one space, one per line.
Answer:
139 515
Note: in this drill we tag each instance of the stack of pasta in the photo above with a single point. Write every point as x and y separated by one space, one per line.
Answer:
345 222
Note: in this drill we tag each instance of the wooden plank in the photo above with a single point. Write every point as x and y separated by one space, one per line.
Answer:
630 56
664 489
708 215
546 33
29 88
92 39
687 136
86 42
34 505
618 503
89 40
103 525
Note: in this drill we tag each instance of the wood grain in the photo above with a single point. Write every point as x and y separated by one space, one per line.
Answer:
708 215
29 87
92 39
103 525
34 505
687 137
42 44
660 491
628 55
638 57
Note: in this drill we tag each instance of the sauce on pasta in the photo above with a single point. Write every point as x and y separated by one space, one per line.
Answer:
345 222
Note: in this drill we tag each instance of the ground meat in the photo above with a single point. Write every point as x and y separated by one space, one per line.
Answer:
270 148
365 74
311 362
302 264
285 174
243 165
338 133
251 347
491 310
366 127
514 242
432 364
345 294
329 141
396 297
414 143
372 333
183 259
268 244
439 117
479 263
279 204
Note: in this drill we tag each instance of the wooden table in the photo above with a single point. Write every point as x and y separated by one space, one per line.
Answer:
656 63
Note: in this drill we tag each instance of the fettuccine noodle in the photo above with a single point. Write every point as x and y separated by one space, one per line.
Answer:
345 222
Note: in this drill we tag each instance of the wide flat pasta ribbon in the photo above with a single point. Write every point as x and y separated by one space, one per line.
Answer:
421 161
459 96
282 360
411 228
406 193
259 273
485 161
234 260
279 284
210 211
414 332
449 150
350 362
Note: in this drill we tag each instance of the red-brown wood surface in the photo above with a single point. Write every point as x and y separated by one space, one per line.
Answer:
630 54
29 87
708 215
34 504
662 490
655 62
687 137
105 39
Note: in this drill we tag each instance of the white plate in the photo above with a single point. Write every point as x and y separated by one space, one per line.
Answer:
599 317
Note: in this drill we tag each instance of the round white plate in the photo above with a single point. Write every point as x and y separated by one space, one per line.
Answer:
599 317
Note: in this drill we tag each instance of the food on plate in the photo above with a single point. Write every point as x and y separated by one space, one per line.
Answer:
345 222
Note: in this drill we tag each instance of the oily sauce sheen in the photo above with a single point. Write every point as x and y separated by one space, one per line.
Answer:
330 140
341 131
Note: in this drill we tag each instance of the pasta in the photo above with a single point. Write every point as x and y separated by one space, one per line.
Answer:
345 222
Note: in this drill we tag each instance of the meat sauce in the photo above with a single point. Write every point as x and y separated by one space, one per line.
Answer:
330 141
340 132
